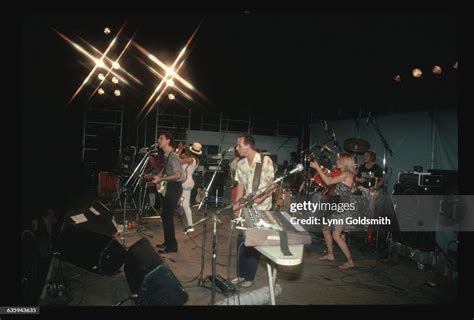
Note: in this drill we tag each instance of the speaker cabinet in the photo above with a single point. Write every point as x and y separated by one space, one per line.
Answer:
90 250
415 216
99 219
150 279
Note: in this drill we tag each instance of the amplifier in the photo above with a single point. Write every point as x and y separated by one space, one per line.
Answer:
431 180
420 179
409 178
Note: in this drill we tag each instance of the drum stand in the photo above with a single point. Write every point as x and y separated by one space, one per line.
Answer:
386 148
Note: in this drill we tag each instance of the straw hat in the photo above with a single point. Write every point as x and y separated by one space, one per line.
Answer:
196 148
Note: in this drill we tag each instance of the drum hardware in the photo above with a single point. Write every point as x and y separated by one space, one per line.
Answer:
355 145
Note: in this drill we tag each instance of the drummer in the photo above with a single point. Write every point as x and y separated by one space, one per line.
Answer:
369 170
370 177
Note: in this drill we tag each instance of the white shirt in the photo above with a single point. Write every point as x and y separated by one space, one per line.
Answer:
245 173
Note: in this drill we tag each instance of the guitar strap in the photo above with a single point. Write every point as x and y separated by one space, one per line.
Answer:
166 164
256 182
257 174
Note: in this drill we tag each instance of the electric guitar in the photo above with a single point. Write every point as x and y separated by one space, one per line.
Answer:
160 187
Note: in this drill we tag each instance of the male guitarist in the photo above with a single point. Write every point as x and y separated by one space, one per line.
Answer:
171 175
254 171
370 180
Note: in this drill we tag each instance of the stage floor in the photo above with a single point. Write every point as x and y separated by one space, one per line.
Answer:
372 282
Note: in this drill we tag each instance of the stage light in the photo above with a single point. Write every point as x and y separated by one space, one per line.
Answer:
101 76
417 73
115 80
170 83
107 30
455 66
437 70
397 78
171 96
101 91
100 64
170 72
115 65
117 92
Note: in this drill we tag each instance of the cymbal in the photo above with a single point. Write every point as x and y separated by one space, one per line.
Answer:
355 145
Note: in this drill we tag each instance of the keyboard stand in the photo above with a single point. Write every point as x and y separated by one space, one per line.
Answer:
275 255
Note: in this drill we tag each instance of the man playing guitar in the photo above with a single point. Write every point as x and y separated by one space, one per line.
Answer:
171 174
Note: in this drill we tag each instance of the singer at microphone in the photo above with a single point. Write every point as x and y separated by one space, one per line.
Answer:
152 147
258 167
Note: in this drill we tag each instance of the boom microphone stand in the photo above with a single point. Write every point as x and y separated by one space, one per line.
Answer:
127 187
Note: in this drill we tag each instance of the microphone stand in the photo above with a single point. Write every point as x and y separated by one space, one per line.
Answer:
125 190
386 148
246 201
214 241
141 199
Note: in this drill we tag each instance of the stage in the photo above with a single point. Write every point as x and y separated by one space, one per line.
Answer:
376 279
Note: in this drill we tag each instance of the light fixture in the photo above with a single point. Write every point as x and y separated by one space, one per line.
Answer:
107 30
170 72
115 80
170 82
101 76
437 70
101 91
455 66
115 65
117 92
417 73
397 78
171 96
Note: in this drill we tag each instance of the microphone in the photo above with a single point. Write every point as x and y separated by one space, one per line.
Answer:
368 118
299 167
224 152
152 147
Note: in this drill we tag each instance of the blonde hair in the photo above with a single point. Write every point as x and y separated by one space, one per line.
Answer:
347 163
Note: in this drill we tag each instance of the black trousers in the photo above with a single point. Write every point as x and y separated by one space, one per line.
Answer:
170 202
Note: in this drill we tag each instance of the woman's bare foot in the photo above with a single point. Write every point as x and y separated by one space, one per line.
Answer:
347 265
329 257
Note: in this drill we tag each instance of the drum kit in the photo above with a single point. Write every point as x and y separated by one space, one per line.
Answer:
290 190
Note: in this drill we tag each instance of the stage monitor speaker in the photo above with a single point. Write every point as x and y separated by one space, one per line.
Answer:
419 213
93 251
150 279
100 219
